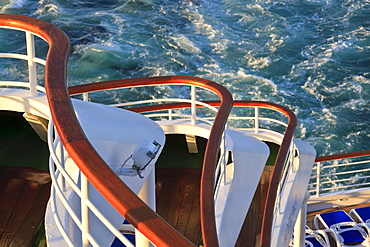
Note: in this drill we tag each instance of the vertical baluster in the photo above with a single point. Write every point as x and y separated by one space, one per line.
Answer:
84 210
169 114
225 158
221 163
85 96
62 163
224 153
318 172
193 105
32 76
147 194
59 151
256 123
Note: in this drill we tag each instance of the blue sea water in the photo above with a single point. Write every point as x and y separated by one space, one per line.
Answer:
312 56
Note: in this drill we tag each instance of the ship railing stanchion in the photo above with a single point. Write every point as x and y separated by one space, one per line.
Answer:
193 105
84 210
318 173
256 123
147 194
31 63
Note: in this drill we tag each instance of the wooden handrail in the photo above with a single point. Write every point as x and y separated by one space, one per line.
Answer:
158 231
342 156
265 239
97 171
208 223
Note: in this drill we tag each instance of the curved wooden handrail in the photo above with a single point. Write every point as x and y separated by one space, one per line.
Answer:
208 224
265 239
342 156
97 171
267 219
78 146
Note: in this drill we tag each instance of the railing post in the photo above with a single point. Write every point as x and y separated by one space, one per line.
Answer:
256 123
32 75
169 114
85 96
224 154
221 163
193 105
84 210
147 194
62 163
318 179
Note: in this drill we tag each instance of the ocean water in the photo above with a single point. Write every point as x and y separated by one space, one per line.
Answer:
312 56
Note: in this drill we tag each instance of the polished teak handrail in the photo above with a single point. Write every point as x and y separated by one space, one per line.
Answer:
208 224
77 145
95 168
280 161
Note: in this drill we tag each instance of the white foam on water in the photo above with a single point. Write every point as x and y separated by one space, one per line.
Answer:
311 56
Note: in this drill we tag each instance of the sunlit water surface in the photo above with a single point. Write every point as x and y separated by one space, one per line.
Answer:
310 56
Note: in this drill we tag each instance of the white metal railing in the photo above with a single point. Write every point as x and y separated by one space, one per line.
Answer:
63 184
256 118
339 175
32 62
258 124
170 114
64 187
220 171
192 117
262 124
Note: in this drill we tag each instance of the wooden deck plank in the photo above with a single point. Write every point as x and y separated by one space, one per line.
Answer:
178 199
22 204
193 230
8 201
189 187
163 197
172 186
33 219
20 210
249 235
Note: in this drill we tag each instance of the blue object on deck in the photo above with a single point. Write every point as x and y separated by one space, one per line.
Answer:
343 227
362 214
130 237
118 243
336 217
314 239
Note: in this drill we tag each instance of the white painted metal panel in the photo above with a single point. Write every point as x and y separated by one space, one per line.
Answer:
235 196
293 194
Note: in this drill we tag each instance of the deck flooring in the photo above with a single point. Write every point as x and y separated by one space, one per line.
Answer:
178 203
178 199
24 193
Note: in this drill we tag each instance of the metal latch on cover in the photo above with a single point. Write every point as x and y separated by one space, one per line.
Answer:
141 157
